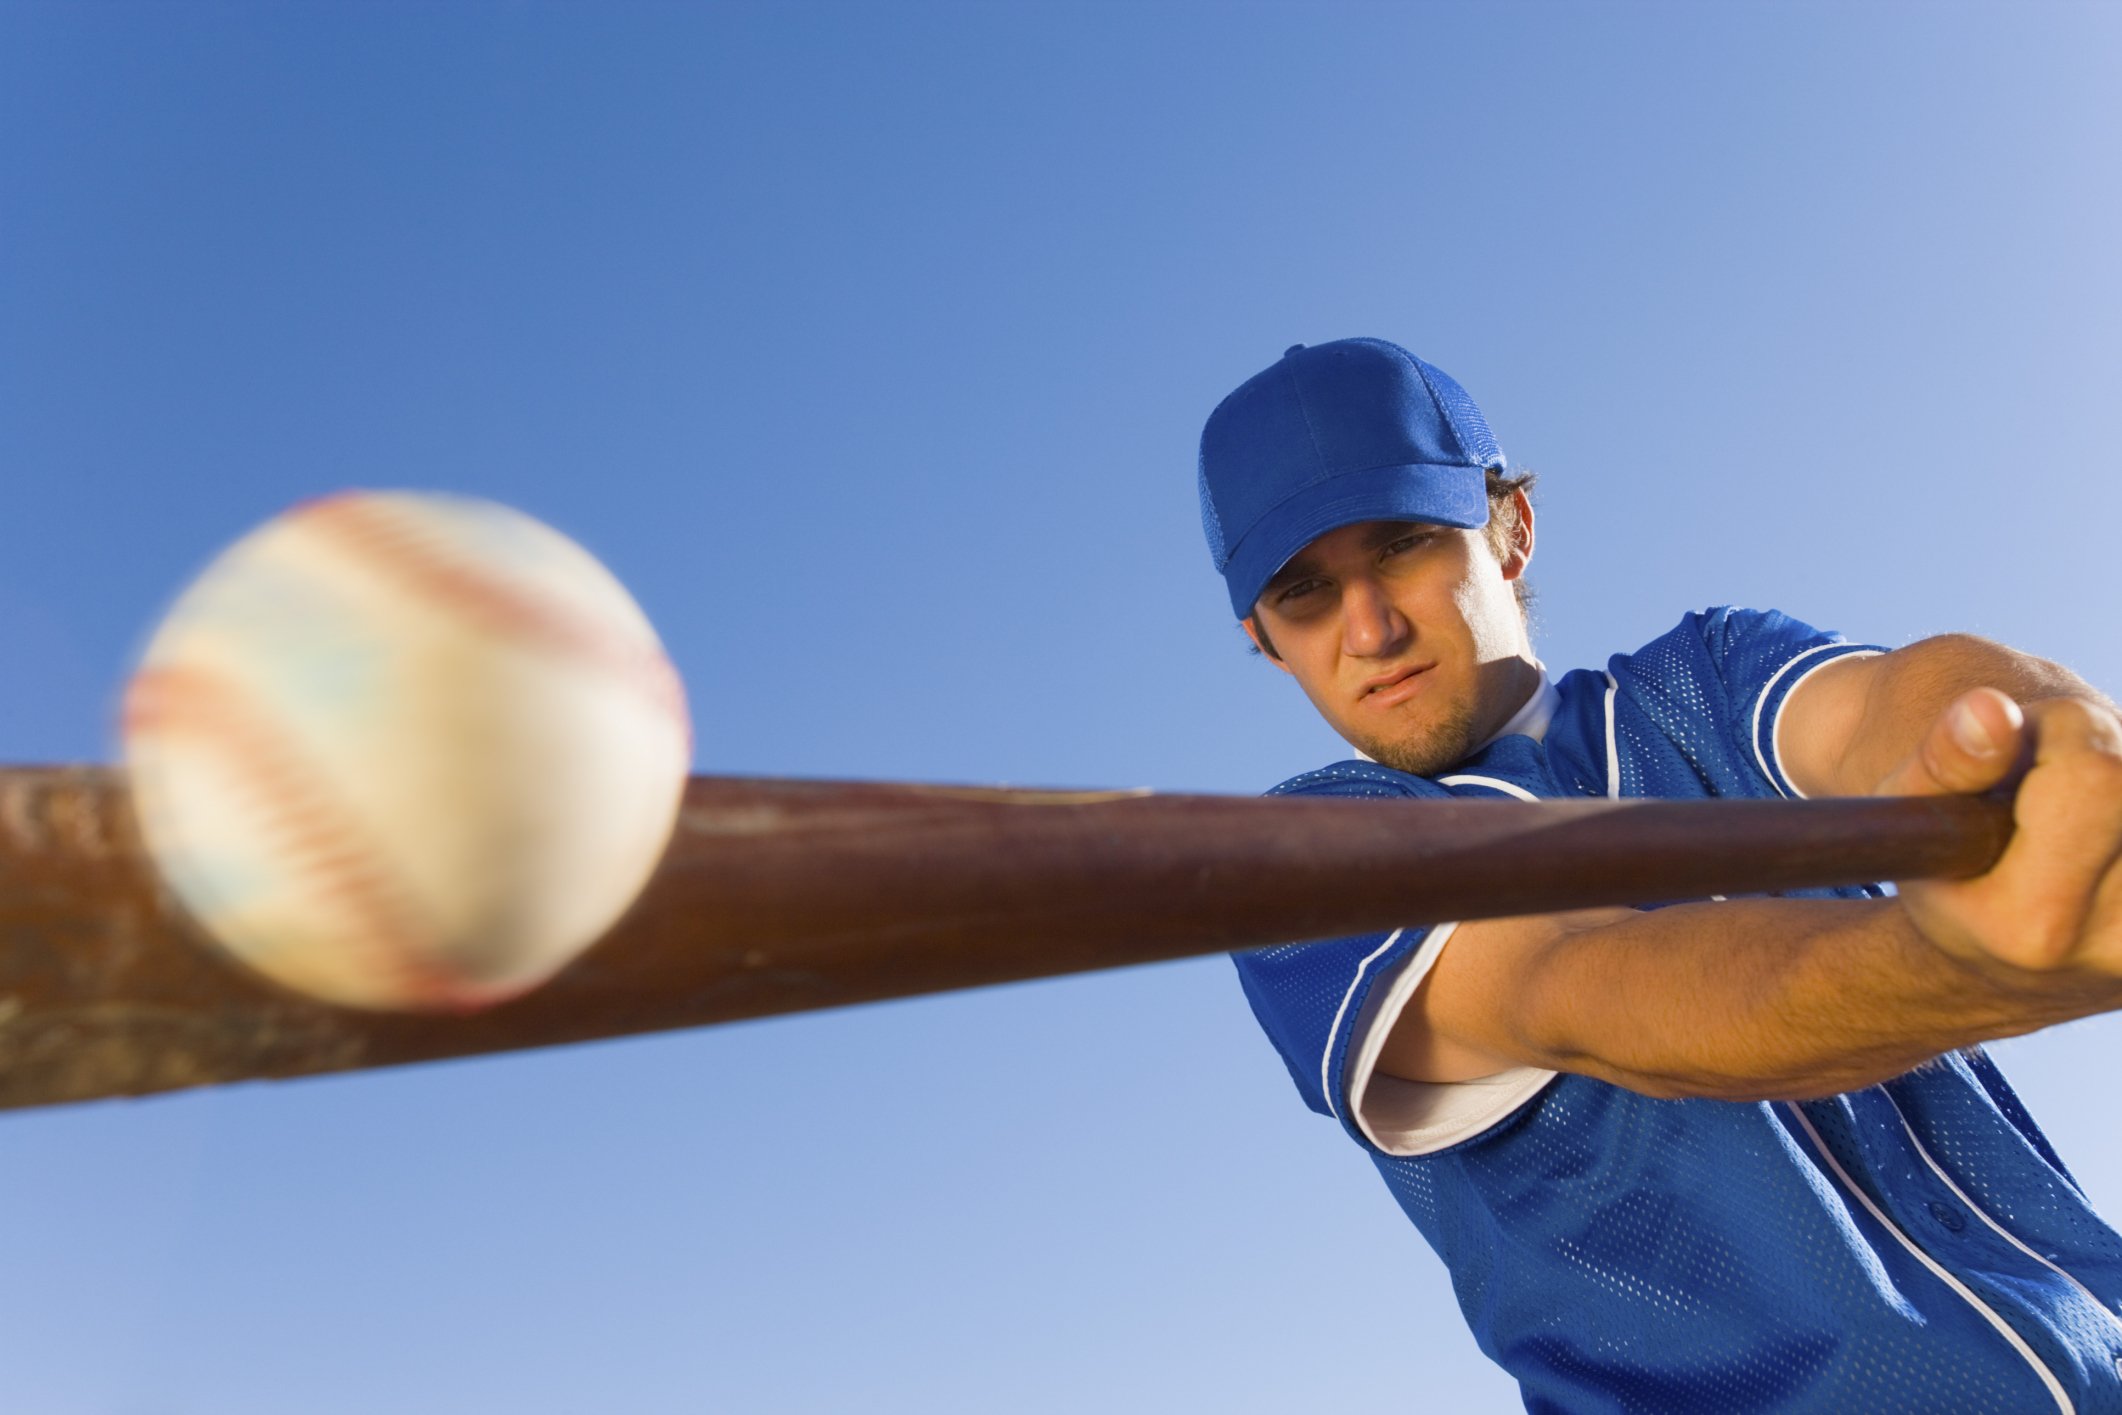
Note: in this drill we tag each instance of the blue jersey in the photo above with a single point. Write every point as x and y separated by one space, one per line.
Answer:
1915 1246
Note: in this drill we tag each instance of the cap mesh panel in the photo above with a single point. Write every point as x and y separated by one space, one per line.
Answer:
1465 416
1211 523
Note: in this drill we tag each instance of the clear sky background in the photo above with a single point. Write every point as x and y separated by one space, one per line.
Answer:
869 344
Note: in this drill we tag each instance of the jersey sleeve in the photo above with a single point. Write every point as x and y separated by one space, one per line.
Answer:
1329 1006
1715 687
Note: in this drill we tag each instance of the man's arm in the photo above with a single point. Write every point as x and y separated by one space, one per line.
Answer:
1787 998
1857 719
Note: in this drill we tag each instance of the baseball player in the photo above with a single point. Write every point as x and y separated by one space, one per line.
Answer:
1739 1155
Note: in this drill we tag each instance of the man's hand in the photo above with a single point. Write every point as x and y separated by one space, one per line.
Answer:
2053 904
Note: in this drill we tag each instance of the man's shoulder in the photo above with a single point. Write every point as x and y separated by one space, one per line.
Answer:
1697 708
1723 630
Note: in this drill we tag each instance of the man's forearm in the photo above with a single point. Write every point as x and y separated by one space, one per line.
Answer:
1904 691
1751 999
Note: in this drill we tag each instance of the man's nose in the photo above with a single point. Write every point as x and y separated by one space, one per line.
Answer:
1371 625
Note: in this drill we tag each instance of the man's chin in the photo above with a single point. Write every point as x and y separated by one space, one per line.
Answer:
1429 753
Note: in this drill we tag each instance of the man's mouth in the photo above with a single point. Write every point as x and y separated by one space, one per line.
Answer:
1395 687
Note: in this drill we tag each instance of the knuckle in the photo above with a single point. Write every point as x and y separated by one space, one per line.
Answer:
2089 765
2076 720
2099 773
2094 763
2094 721
2057 716
2106 730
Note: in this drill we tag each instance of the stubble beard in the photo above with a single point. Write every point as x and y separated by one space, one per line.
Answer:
1433 750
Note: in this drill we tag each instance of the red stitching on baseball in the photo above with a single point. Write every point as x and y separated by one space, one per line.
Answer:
403 547
316 834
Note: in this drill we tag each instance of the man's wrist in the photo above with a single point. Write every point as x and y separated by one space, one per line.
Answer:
2015 999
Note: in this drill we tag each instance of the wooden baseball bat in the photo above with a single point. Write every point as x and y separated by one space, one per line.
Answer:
783 896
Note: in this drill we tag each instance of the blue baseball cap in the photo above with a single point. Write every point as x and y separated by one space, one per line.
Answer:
1355 430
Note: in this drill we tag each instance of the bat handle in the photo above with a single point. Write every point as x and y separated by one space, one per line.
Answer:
1955 837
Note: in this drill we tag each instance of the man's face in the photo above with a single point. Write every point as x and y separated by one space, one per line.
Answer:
1406 637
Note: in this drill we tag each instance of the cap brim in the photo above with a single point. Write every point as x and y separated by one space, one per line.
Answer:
1440 495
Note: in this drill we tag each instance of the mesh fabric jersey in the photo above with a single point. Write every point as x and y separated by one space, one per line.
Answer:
1915 1246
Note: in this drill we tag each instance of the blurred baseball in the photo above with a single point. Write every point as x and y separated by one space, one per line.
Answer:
406 750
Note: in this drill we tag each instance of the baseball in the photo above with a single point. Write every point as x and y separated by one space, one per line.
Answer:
405 750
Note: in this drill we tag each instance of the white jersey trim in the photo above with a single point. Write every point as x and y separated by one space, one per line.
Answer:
1405 1118
1613 750
1997 1228
1777 776
1508 788
1937 1269
1326 1062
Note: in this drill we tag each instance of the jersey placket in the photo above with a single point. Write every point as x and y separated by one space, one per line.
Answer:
1874 1150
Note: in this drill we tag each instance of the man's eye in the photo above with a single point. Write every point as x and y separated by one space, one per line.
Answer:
1408 542
1292 593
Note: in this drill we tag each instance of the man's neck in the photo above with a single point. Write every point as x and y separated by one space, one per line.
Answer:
1535 710
1516 685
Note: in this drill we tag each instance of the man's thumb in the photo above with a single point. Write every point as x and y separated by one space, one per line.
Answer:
1973 745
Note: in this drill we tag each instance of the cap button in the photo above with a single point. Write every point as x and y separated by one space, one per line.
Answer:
1293 349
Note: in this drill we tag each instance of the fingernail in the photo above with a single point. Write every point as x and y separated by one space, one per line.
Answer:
1971 732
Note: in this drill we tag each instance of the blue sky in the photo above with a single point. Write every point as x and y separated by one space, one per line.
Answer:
869 345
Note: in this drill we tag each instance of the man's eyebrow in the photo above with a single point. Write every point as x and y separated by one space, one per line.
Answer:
1299 566
1386 532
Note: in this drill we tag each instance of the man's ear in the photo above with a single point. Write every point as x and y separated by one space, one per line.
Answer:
1251 625
1521 551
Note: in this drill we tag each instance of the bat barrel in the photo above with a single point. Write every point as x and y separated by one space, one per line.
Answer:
785 896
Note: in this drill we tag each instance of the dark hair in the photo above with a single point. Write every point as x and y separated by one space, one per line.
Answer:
1501 531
